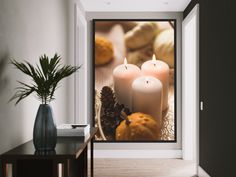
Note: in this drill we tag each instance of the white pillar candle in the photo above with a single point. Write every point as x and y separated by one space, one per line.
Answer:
159 70
147 96
123 76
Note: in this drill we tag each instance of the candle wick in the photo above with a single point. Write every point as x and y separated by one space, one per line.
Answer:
154 64
147 82
126 67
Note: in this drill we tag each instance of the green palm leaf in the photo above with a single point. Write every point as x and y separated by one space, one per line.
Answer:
45 78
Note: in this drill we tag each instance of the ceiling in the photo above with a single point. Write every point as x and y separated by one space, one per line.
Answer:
134 5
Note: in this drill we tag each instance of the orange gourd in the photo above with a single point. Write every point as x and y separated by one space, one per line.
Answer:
138 127
104 51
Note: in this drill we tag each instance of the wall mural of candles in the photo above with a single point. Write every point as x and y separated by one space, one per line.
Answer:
134 80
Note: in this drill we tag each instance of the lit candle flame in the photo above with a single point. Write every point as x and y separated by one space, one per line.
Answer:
154 60
125 63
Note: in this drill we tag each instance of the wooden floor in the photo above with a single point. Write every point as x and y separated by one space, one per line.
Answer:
144 168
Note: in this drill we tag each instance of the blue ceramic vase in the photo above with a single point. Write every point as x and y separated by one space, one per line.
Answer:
45 132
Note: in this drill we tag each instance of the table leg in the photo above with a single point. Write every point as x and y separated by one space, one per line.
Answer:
83 163
4 168
55 168
78 167
91 158
14 168
3 172
65 170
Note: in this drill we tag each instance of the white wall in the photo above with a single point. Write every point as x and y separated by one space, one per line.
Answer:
77 47
137 15
29 28
190 88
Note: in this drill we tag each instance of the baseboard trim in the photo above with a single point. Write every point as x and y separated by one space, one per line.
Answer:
202 172
131 154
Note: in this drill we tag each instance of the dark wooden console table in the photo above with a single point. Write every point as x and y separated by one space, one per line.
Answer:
70 153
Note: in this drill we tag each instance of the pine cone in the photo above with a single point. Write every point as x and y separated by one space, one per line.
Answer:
109 126
111 112
107 98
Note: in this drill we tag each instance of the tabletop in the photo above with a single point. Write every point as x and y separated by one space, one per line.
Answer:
68 147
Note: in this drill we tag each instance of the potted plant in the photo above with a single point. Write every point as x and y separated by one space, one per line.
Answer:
45 80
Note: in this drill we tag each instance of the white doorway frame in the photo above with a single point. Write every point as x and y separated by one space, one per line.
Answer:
190 86
80 57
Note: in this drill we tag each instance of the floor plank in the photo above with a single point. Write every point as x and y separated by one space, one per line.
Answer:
144 168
